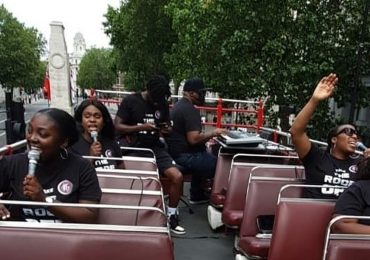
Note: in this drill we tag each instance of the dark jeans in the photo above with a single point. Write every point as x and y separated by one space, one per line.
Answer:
201 165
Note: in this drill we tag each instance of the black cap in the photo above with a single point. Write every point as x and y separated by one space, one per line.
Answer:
195 84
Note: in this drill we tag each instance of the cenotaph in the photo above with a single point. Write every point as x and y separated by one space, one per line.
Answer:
59 71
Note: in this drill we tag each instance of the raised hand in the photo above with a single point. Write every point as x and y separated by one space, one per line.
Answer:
326 87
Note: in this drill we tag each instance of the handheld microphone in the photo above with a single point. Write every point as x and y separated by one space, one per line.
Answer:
361 146
33 157
94 135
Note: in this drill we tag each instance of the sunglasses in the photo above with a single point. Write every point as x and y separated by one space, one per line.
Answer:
348 131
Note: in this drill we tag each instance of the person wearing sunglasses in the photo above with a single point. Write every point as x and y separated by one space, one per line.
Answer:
335 166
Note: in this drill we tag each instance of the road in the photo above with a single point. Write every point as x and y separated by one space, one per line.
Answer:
30 110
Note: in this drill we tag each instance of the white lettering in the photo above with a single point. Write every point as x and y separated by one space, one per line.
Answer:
328 178
48 191
28 212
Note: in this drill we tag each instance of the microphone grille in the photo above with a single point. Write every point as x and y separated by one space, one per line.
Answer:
34 154
360 146
94 134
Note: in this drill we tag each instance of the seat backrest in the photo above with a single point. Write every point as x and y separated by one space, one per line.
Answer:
346 246
142 217
134 164
221 179
262 195
68 241
299 228
224 167
128 182
232 213
138 158
128 172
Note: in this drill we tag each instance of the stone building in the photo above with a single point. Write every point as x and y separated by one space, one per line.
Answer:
79 50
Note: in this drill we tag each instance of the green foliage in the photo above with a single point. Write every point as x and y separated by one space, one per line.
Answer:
275 49
97 69
141 34
20 52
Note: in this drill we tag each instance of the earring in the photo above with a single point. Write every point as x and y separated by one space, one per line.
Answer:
63 153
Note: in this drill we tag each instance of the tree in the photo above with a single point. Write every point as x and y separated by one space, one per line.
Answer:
20 52
97 69
141 34
273 49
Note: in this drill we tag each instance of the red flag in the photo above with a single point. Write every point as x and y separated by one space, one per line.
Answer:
46 87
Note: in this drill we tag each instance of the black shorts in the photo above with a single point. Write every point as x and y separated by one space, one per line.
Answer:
163 159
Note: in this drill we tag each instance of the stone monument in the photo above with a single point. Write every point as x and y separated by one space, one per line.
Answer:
59 71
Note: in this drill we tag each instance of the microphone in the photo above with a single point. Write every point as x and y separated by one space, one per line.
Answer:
360 146
33 157
94 135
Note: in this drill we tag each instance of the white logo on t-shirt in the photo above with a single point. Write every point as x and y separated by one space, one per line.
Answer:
65 187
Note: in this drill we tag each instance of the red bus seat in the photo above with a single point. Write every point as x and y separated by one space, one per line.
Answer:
221 179
134 216
261 199
299 229
115 181
346 246
232 213
59 241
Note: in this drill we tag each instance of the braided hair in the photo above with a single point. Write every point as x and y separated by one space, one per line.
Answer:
159 91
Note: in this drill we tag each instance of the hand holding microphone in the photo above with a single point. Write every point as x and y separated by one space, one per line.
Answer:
33 157
94 135
31 187
361 147
95 148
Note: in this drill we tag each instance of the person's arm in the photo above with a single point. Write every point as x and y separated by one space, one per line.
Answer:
33 190
323 90
123 128
4 187
196 137
351 226
76 215
351 202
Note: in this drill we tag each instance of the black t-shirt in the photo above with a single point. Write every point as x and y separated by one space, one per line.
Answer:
355 201
321 168
70 180
185 118
109 149
134 110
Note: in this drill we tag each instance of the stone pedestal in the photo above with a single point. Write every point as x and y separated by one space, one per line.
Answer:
59 71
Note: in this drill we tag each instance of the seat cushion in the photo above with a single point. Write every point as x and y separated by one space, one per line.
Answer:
254 246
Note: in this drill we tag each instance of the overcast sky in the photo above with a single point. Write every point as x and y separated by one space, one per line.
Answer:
84 16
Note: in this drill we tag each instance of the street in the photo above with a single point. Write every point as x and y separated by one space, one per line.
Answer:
30 109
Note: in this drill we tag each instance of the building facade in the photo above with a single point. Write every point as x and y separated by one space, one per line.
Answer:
79 50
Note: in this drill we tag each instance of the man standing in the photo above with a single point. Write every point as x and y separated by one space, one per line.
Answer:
141 119
187 141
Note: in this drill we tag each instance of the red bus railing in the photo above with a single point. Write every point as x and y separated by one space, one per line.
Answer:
219 109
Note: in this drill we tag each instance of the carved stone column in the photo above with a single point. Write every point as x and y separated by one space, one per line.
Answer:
59 71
